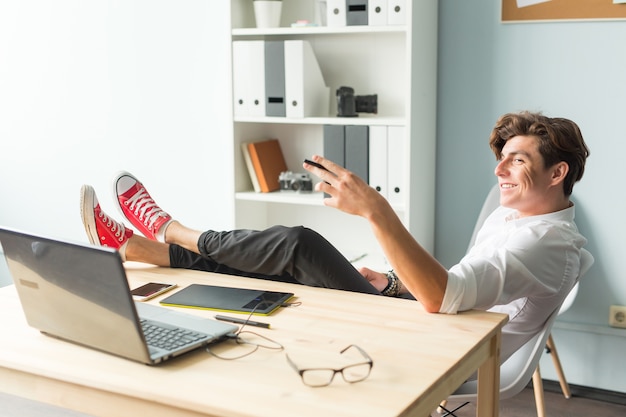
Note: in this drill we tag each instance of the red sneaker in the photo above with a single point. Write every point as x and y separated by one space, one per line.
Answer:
101 229
139 208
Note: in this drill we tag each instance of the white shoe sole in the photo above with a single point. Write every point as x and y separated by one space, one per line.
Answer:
87 197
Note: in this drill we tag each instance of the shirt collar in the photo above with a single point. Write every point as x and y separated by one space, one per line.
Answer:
561 215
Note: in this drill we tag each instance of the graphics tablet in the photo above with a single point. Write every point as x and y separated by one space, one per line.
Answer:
236 300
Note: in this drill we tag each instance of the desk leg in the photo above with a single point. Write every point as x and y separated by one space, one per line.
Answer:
488 401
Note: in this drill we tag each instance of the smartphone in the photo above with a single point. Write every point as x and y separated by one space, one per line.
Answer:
151 290
315 164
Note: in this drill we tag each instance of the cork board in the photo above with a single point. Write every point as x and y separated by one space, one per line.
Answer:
539 10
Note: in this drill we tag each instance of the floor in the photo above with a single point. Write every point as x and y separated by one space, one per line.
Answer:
583 403
523 405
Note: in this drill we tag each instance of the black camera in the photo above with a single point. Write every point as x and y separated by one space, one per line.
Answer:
290 181
348 105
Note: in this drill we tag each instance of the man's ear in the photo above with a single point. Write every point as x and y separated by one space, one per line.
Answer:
559 172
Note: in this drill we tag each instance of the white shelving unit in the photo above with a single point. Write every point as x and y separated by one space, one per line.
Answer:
396 62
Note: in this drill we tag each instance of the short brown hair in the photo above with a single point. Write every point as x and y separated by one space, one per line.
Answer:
559 140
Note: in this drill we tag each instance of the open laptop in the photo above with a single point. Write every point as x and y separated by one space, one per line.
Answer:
79 293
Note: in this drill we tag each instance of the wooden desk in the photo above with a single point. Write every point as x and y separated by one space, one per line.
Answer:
419 359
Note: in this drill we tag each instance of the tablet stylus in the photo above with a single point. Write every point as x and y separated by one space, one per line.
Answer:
242 321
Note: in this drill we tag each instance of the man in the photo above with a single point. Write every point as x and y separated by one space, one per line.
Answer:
525 260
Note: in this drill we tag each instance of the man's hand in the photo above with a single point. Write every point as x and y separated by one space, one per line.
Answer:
377 279
348 192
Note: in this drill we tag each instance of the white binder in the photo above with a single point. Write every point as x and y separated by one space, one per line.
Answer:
396 165
396 12
241 80
256 72
248 78
306 93
377 12
378 159
336 13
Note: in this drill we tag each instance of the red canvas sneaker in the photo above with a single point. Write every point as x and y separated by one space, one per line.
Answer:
139 208
101 229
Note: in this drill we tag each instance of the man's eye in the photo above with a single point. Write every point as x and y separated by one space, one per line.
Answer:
518 161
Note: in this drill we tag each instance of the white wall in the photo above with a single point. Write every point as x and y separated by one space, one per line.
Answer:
568 69
88 88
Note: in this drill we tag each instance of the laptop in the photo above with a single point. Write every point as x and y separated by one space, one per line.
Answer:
79 293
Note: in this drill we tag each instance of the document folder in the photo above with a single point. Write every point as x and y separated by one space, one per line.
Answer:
396 165
396 12
306 93
275 78
357 151
336 13
378 159
356 12
377 12
249 78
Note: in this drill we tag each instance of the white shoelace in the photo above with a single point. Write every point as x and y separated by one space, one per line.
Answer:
144 206
115 227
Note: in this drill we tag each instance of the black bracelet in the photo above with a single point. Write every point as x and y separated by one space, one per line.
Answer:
393 286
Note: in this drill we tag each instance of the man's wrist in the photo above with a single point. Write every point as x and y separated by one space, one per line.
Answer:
394 285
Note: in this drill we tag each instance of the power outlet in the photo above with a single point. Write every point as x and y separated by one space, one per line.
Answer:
617 316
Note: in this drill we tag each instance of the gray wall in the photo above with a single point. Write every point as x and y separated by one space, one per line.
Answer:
567 69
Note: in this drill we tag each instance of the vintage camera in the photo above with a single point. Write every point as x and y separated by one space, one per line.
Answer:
348 105
290 181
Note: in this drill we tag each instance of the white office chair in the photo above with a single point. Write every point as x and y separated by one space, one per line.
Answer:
517 371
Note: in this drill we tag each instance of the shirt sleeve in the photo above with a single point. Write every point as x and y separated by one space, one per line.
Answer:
465 278
503 270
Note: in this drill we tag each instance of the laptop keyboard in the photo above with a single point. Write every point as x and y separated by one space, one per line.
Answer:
166 337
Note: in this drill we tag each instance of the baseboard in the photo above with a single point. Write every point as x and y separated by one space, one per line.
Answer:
597 394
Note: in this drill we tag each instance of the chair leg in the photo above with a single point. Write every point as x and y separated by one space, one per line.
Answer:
442 408
557 365
538 389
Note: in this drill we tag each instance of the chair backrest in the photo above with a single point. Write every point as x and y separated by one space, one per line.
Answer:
586 260
516 372
491 203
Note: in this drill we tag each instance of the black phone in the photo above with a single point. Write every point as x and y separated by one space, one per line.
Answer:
151 290
315 164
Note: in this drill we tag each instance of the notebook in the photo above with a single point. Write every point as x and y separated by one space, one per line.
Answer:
79 293
234 300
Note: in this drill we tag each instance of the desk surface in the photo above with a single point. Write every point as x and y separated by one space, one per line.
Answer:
419 359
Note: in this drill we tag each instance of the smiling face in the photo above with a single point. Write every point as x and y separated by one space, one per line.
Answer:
539 160
525 183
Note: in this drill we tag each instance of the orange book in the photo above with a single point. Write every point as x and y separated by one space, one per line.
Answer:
268 161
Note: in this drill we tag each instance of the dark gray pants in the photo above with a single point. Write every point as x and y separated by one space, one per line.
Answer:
288 254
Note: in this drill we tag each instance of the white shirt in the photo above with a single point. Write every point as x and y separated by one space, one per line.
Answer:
523 267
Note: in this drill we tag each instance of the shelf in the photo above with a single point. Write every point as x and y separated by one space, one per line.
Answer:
286 197
283 197
365 120
395 62
317 30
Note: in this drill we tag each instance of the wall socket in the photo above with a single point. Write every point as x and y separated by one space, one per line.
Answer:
617 316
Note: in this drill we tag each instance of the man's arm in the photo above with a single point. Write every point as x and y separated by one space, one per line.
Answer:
423 276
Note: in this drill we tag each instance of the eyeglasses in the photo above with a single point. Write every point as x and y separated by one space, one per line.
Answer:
321 377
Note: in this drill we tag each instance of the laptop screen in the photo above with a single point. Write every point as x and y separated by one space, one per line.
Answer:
74 291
